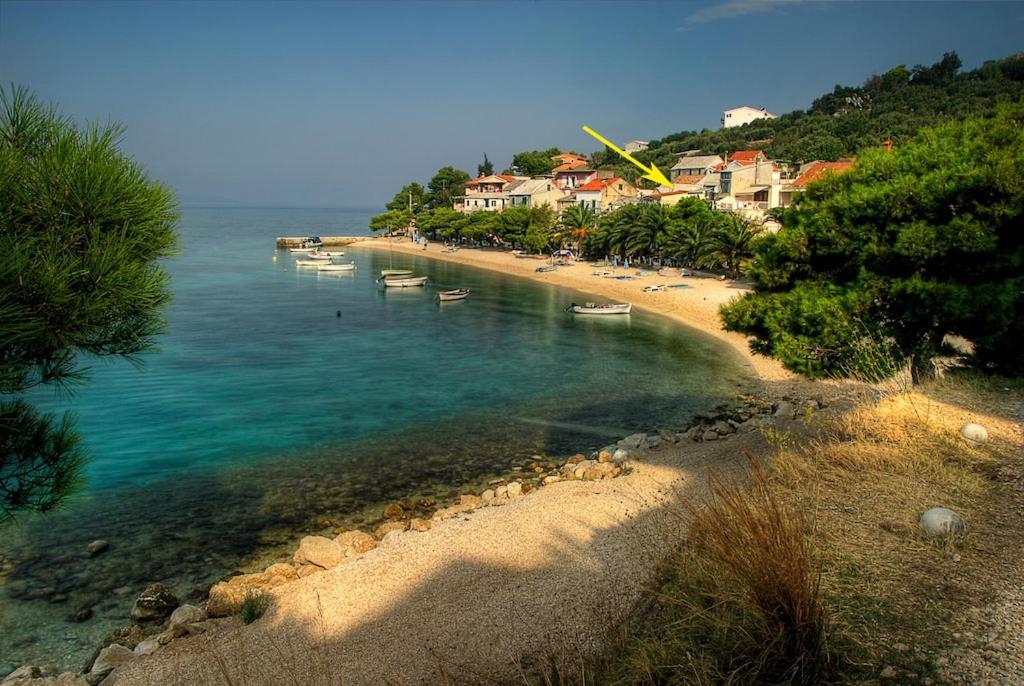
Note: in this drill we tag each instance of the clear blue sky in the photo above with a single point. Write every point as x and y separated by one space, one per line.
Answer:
339 104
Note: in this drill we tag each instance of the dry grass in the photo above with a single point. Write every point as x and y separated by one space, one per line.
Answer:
743 603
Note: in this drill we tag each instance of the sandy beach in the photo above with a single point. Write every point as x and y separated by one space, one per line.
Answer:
696 306
479 595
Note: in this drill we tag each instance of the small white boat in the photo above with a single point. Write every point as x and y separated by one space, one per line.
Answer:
653 289
336 253
330 267
608 308
318 256
404 282
303 250
457 294
309 263
395 273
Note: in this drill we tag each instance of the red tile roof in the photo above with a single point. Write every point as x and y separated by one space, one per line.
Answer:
744 155
819 169
569 156
569 166
684 179
594 185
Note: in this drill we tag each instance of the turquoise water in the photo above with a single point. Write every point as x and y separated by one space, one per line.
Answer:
265 414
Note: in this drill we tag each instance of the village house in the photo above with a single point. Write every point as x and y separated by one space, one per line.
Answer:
572 175
488 193
694 166
810 172
536 192
749 182
635 146
568 158
738 116
602 195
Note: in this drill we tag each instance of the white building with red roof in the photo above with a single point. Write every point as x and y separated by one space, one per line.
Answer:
488 193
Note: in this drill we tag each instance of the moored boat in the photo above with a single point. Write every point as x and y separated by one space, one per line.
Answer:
395 273
606 308
309 263
457 294
330 267
336 253
404 282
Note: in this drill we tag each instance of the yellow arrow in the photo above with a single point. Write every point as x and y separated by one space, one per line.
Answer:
652 172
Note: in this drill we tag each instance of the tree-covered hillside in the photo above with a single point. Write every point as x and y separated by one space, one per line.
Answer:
894 105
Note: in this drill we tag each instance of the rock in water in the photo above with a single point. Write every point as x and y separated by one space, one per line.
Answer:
941 521
96 547
155 604
319 551
974 434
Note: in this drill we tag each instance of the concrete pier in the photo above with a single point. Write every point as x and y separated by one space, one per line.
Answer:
295 241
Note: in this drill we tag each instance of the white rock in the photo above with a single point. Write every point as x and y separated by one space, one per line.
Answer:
514 489
941 521
551 480
501 491
620 456
974 434
488 494
147 646
109 659
187 614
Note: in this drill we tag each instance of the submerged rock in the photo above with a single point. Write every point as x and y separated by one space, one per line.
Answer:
97 547
974 434
155 604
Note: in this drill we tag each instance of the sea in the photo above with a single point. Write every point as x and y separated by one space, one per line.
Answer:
282 402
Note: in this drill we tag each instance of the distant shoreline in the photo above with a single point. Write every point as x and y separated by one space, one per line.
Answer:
695 306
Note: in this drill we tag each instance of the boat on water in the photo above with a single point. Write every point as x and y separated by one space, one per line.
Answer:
457 294
606 308
336 253
331 267
404 282
309 263
395 273
307 245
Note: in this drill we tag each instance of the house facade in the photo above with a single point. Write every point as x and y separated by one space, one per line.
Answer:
751 185
602 195
694 165
536 192
568 158
636 146
488 193
571 176
738 116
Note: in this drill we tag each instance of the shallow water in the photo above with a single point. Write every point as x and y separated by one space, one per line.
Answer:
265 414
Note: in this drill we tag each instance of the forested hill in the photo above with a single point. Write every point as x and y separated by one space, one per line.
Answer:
841 123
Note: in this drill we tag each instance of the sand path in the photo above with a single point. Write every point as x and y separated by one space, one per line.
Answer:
472 599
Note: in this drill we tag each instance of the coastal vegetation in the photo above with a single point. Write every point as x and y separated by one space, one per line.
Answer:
905 250
894 106
81 231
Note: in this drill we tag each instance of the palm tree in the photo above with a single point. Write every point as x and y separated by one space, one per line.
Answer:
649 234
579 220
693 242
733 239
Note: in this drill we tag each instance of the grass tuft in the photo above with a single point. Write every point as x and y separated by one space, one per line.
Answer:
254 606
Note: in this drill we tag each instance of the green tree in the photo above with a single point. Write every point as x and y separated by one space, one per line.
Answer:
907 248
485 168
446 185
392 220
411 194
733 239
648 235
533 162
82 230
433 222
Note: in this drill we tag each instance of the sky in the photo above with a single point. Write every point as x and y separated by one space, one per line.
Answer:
340 104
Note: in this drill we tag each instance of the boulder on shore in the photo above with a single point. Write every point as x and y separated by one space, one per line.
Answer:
154 605
355 542
319 551
109 659
187 614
